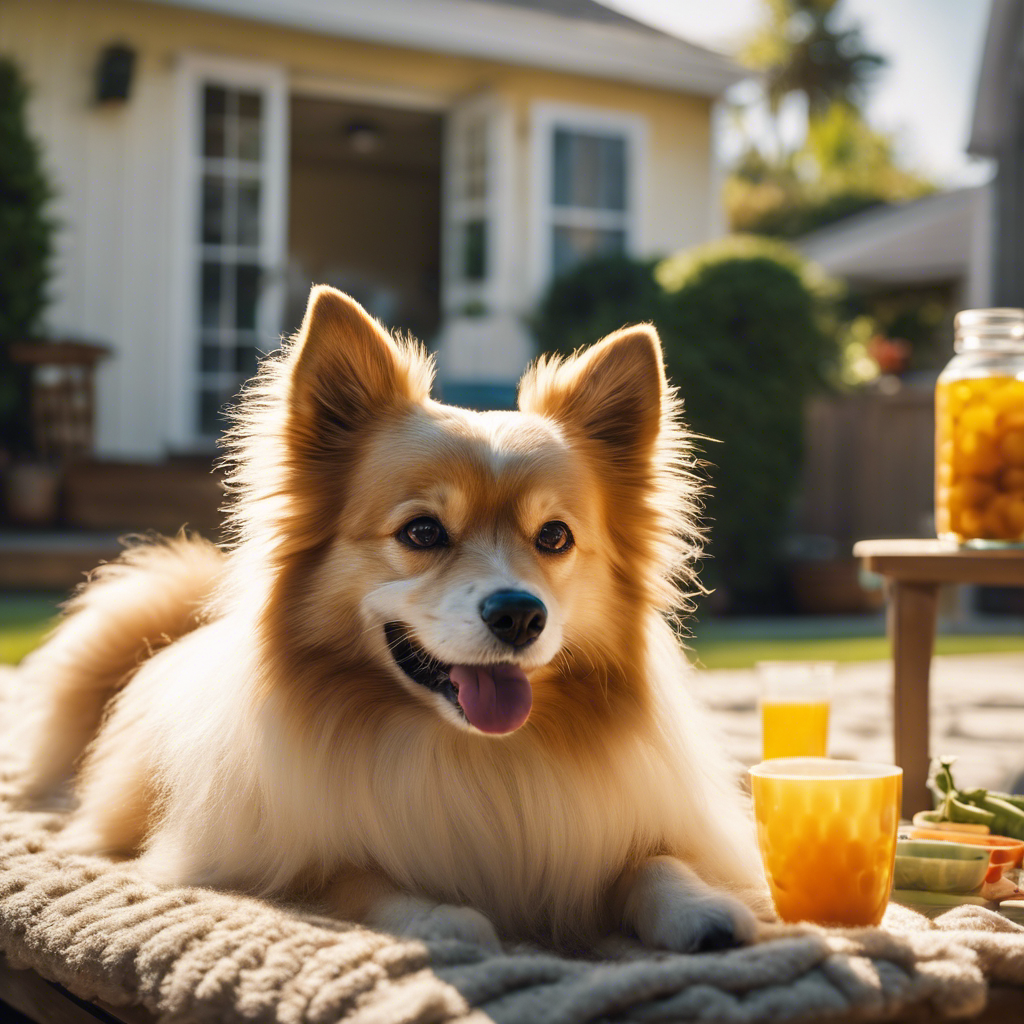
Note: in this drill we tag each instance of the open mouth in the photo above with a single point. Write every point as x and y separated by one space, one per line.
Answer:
419 666
493 698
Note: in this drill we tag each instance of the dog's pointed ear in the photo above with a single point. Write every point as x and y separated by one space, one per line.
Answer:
613 392
347 369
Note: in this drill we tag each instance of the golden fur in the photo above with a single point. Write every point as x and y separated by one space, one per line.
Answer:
253 731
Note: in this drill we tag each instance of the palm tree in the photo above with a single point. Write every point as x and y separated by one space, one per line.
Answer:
801 50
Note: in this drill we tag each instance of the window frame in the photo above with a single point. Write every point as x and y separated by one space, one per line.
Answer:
192 72
547 117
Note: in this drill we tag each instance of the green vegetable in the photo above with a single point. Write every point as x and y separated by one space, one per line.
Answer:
1011 798
958 811
1002 812
1007 820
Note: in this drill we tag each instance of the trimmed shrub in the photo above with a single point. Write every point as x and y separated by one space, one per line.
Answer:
26 242
748 336
594 299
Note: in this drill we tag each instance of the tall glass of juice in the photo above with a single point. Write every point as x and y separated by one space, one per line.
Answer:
827 833
795 701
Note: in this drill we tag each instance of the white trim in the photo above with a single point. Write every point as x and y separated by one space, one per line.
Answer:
376 93
497 32
191 70
545 117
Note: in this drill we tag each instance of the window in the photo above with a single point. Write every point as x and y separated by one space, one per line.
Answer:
586 167
589 213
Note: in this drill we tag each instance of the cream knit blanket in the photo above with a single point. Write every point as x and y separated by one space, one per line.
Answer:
104 932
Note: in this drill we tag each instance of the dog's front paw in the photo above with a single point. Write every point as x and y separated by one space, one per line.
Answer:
418 918
669 907
698 925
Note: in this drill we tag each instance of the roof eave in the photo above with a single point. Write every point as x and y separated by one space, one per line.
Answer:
507 35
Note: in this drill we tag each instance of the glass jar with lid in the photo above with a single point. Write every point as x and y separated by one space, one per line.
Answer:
979 431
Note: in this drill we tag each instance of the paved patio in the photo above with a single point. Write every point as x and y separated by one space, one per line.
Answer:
977 713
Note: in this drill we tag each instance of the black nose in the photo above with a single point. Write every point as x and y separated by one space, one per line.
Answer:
514 616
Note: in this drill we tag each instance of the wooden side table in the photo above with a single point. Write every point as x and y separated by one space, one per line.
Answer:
914 570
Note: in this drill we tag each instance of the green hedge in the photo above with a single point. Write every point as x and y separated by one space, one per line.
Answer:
748 336
26 242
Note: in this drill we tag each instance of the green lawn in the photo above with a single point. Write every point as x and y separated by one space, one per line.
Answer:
25 619
744 653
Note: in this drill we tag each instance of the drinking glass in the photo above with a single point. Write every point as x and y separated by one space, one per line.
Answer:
795 701
827 833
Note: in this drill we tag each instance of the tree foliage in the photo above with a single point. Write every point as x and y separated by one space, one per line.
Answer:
26 240
801 49
841 165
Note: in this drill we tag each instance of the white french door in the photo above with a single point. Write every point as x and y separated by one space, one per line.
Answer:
478 208
483 338
230 216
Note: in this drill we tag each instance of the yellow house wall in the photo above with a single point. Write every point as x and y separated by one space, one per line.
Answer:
112 167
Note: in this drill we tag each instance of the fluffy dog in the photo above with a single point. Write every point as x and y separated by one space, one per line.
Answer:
432 681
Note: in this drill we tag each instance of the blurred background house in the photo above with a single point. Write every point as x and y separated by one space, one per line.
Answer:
502 177
440 161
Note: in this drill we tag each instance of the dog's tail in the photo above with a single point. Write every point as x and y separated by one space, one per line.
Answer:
154 593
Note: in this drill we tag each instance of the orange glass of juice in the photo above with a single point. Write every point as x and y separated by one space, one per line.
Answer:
827 832
795 701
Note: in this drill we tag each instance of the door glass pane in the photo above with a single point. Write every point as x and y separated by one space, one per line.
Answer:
250 111
209 294
210 356
246 358
474 169
211 401
215 98
589 170
249 213
247 281
213 208
576 245
474 250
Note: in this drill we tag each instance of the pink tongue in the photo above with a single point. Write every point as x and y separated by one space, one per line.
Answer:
495 698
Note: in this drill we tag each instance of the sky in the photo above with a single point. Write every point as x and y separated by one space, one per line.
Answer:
924 97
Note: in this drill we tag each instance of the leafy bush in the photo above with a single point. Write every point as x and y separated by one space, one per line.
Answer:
748 337
26 240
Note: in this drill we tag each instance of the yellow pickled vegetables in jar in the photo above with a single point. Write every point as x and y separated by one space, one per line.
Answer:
979 464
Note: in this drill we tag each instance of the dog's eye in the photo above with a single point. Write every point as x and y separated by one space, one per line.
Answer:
554 536
423 533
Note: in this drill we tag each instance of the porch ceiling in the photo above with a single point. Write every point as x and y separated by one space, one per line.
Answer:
322 130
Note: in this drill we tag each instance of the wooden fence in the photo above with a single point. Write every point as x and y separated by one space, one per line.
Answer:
869 465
